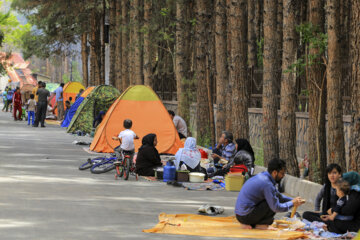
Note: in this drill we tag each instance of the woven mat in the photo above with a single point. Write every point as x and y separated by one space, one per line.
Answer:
198 225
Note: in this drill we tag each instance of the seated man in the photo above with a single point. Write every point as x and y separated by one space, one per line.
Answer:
259 200
180 124
225 149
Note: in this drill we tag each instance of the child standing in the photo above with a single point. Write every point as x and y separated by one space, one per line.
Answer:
342 190
126 137
31 107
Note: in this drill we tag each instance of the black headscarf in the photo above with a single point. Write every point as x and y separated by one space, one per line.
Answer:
244 144
148 140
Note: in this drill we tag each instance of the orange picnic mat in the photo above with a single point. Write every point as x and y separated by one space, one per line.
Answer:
199 225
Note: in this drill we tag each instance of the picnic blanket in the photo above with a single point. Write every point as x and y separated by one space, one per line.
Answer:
53 122
199 225
203 186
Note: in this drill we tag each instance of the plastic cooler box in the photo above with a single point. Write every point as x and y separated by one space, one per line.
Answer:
234 181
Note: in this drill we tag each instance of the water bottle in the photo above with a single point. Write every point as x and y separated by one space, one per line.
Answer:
169 171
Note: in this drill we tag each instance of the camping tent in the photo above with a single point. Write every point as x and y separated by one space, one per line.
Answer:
52 86
100 99
75 106
140 104
25 91
71 89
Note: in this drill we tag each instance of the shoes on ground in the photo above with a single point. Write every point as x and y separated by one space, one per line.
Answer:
208 209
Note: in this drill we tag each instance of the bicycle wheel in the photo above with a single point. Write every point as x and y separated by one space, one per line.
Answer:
90 162
126 167
119 171
103 167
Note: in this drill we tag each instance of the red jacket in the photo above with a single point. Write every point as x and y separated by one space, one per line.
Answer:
17 98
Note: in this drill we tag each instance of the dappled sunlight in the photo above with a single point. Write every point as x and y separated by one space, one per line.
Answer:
12 223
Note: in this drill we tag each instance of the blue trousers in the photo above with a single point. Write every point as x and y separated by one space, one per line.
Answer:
31 114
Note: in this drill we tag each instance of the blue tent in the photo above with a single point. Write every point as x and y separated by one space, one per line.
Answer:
75 106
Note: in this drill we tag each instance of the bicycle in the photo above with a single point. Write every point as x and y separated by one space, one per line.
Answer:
126 166
99 164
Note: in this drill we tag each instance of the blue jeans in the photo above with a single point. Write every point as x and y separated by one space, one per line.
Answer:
31 114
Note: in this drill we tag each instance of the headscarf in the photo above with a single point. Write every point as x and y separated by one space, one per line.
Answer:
189 155
148 140
244 144
353 178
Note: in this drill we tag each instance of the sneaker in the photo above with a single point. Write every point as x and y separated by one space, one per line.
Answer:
43 126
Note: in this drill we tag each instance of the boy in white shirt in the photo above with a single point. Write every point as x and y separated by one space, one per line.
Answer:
126 138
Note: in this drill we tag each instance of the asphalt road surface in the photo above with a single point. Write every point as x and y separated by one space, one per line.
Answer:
44 196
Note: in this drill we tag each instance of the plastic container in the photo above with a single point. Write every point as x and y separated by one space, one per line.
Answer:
234 181
196 177
169 171
159 173
182 176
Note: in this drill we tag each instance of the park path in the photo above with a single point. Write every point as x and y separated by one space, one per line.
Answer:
43 195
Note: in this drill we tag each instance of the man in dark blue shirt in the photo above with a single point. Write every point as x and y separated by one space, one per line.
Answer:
259 200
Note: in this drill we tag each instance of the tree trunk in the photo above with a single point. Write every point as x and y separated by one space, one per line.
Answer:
136 69
113 40
125 56
203 115
102 66
228 86
317 101
270 116
279 47
251 34
95 47
238 68
118 50
288 90
221 65
355 86
334 98
147 43
84 59
182 59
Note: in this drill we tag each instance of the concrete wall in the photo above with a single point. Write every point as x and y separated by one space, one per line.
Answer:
255 120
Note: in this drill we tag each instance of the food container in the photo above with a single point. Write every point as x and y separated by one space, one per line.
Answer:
234 181
182 176
159 173
196 177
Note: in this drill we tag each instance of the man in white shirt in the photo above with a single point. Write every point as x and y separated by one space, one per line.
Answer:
180 124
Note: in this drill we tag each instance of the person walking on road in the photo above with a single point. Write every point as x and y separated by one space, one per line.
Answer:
60 101
43 95
4 96
17 103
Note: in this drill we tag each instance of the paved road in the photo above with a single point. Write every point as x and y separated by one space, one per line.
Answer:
43 195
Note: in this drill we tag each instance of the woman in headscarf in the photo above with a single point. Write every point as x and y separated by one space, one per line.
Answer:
244 152
148 156
327 195
188 156
98 119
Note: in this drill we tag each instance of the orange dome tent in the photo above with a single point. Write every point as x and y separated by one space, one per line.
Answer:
140 104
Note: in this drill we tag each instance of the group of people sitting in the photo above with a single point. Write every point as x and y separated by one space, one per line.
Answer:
259 200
